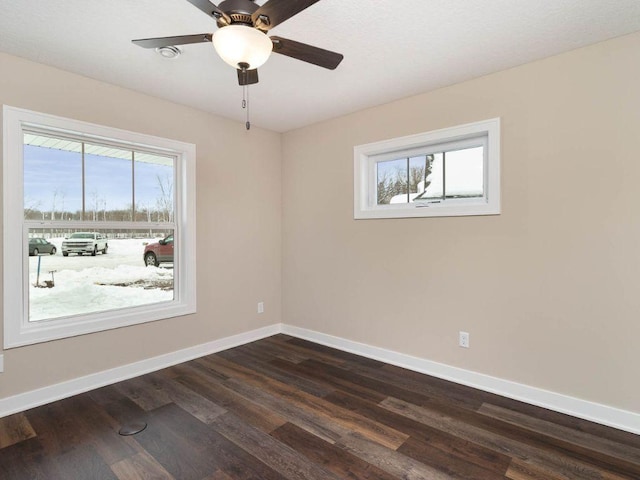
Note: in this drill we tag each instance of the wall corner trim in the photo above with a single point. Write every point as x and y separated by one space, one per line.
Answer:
595 412
51 393
1 363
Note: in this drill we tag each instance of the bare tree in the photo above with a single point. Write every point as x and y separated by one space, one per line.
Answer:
164 201
63 196
104 209
97 204
404 181
383 189
53 204
31 207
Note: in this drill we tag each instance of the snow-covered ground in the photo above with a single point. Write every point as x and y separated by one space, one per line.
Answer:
85 284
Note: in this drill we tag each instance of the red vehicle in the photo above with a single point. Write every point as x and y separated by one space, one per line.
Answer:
159 252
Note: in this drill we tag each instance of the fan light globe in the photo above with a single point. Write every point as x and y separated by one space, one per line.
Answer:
242 44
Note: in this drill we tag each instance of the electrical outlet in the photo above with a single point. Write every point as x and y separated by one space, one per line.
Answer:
260 307
463 339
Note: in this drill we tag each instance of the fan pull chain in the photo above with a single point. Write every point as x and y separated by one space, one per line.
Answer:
245 104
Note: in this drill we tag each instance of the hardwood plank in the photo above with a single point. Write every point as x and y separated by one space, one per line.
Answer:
197 364
79 421
452 465
219 475
141 466
262 446
260 363
57 431
335 353
602 445
535 440
14 429
434 390
81 461
383 457
118 406
189 449
103 430
390 461
541 441
574 423
109 394
281 336
173 446
275 350
147 395
303 352
308 420
449 446
29 460
384 435
564 466
519 470
26 460
323 373
374 384
331 457
200 407
428 384
211 388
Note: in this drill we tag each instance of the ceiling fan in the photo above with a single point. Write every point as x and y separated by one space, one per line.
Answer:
241 39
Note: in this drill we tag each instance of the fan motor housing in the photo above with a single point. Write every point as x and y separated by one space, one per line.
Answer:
239 11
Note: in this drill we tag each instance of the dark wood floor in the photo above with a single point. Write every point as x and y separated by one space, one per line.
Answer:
284 408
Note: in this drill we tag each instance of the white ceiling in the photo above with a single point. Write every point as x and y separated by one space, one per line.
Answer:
392 48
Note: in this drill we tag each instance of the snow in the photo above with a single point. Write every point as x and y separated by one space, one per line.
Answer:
86 284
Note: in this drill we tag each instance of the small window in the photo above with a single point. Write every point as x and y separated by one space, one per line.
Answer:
450 172
86 208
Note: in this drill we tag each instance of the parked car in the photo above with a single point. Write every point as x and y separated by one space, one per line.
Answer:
85 242
159 252
40 245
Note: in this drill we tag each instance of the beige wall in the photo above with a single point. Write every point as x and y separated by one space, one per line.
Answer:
238 238
549 289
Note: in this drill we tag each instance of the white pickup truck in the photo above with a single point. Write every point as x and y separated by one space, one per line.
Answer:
85 242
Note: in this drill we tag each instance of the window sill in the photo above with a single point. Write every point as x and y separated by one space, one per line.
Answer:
429 210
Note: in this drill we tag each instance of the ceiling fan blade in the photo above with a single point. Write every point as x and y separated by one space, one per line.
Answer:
171 41
306 53
210 9
274 12
247 77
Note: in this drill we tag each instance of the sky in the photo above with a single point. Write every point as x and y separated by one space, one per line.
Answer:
47 171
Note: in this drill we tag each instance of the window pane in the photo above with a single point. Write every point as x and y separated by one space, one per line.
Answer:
70 275
417 169
391 181
52 178
154 180
465 173
434 179
108 183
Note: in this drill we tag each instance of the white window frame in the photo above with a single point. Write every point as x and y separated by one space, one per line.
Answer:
18 331
366 157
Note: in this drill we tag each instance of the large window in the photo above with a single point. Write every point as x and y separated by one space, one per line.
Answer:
450 172
98 227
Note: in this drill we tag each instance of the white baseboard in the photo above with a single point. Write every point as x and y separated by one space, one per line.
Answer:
595 412
42 396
